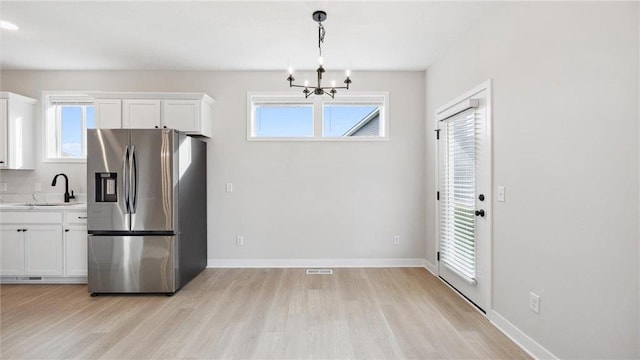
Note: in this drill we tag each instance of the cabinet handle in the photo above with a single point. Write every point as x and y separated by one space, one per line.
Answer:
1 162
165 126
66 230
156 126
24 229
19 230
82 217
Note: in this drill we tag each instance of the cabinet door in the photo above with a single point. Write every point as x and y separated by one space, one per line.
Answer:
11 250
43 250
183 115
4 135
140 114
76 250
108 113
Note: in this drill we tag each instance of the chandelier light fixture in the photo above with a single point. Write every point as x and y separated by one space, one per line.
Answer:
319 16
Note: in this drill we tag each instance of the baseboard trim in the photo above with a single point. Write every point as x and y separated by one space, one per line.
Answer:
304 263
523 340
43 280
431 267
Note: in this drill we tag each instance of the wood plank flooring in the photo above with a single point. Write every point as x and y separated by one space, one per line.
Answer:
373 313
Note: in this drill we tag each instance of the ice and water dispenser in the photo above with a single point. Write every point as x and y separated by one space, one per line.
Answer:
106 187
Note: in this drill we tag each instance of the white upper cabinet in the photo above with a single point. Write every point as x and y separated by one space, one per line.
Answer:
108 113
188 112
16 131
141 114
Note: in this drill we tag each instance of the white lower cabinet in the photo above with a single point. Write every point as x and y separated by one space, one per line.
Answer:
76 251
11 250
75 246
43 250
31 250
50 253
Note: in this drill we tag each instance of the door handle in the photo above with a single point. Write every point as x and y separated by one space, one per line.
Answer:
480 212
134 174
125 179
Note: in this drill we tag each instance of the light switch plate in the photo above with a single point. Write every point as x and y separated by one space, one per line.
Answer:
229 187
501 193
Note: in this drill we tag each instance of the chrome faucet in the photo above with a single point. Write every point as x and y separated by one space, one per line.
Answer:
67 196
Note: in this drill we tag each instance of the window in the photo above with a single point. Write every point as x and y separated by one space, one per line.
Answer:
283 120
290 117
351 120
67 119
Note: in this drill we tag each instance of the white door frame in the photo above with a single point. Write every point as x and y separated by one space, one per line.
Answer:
488 167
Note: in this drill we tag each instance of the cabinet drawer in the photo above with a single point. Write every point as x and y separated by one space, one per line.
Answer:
76 217
29 217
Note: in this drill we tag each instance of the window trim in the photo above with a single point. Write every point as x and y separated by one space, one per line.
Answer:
318 103
51 115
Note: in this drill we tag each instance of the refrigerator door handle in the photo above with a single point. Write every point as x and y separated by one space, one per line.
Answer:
134 182
125 179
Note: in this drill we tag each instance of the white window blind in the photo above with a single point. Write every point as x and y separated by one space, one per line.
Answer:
458 194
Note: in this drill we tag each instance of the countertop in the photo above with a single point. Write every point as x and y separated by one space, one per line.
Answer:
42 206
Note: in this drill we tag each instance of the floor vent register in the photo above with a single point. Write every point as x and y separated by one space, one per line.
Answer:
319 272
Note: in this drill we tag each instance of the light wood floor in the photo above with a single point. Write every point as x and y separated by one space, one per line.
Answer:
374 313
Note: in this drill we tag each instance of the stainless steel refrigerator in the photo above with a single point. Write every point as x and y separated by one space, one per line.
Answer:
147 213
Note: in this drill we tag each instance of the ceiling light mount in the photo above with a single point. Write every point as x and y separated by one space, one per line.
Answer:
319 16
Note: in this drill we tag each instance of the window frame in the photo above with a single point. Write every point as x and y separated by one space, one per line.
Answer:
51 130
378 98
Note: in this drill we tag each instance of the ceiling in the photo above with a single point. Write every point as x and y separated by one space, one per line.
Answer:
229 35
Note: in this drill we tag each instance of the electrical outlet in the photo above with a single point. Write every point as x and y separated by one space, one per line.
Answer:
3 187
229 187
534 303
396 240
37 187
239 240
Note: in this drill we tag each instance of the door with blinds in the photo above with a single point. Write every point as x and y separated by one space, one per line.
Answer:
464 185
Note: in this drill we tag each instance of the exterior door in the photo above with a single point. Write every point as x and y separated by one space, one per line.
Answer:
464 205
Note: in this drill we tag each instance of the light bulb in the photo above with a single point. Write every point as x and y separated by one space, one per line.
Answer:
347 72
333 83
290 70
306 83
320 60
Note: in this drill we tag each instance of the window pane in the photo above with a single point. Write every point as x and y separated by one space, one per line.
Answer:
283 121
351 120
91 122
71 131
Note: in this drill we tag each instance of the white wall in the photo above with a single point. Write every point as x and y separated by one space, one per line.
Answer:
291 200
566 147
